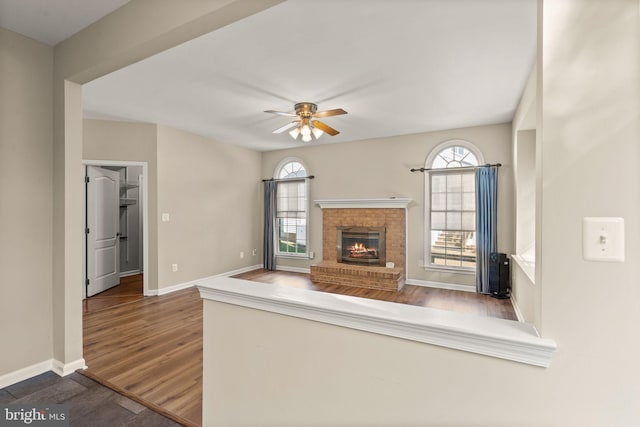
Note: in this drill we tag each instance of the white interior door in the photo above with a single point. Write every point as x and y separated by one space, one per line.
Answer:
103 229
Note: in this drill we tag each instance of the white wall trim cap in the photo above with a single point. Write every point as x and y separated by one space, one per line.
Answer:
391 202
499 338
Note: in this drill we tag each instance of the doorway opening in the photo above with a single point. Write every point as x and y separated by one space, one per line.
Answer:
115 248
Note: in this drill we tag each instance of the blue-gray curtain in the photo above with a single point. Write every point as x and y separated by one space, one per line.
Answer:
269 250
486 223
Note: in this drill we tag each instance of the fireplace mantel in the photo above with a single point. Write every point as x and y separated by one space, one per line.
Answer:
391 202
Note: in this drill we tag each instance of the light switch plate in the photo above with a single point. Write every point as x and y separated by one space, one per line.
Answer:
165 217
603 239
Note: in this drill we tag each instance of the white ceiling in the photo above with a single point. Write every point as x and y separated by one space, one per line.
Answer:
397 66
51 21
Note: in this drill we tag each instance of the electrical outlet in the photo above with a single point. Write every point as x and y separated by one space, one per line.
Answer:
254 252
241 254
174 267
312 255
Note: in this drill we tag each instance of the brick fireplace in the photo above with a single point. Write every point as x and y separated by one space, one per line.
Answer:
363 214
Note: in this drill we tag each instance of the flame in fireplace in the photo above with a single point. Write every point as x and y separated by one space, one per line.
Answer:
359 250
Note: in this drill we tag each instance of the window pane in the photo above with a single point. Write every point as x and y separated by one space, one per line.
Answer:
469 159
292 170
438 183
468 221
438 247
440 163
454 183
454 220
469 201
438 201
292 235
468 182
438 221
454 201
454 257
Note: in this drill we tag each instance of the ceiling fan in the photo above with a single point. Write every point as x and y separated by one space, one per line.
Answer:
306 124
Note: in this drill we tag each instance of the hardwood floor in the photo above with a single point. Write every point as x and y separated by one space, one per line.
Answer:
150 349
444 299
129 289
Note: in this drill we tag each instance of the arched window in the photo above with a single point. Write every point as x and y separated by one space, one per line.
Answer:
292 209
450 213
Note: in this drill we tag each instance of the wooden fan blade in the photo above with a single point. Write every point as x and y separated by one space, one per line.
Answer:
327 113
281 113
324 128
287 126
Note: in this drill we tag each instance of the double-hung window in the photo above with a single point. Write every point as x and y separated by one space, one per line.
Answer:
450 217
291 209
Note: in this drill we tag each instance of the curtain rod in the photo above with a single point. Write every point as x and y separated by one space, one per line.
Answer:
497 165
289 179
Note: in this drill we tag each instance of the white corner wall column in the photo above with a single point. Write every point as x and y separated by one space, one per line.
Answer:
67 224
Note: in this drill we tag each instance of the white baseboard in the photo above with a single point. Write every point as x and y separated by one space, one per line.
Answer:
170 289
192 283
440 285
130 273
25 373
293 269
64 369
240 271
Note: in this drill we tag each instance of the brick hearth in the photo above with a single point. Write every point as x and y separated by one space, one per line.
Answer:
375 277
361 276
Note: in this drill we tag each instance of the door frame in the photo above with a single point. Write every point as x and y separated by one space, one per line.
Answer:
145 219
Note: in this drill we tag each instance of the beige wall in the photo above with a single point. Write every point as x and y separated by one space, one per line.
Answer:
380 168
590 148
211 192
213 209
291 372
124 141
26 125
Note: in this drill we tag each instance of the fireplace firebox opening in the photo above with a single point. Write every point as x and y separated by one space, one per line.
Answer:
361 245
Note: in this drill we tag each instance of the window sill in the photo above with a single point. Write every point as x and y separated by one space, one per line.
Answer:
499 338
293 256
450 270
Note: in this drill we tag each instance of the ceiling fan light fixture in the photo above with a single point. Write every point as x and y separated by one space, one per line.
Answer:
307 124
305 130
294 133
317 132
